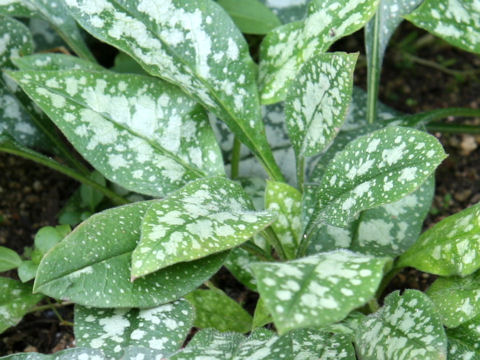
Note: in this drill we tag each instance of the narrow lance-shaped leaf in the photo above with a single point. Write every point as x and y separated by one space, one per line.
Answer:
318 100
317 290
459 350
467 334
406 327
9 259
261 316
52 61
139 132
285 49
455 21
163 328
373 170
193 44
456 299
450 247
214 309
205 217
91 266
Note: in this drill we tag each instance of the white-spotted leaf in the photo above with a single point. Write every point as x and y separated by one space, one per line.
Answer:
194 45
214 309
52 61
460 350
456 298
285 49
375 169
450 247
69 354
288 10
456 21
318 100
91 266
16 299
204 217
9 259
317 290
163 328
406 327
238 263
467 334
317 344
18 8
139 132
286 202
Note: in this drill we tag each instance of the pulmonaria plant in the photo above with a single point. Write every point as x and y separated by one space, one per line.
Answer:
350 182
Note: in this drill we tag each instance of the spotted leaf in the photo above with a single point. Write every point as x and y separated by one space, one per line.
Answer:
205 217
214 309
317 344
163 328
139 132
52 61
17 8
449 248
406 327
288 10
16 299
91 266
375 169
317 290
69 354
285 49
466 335
460 350
456 299
238 262
318 100
194 45
455 21
286 202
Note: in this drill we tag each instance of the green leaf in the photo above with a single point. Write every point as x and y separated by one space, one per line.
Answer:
261 316
103 115
375 169
9 259
27 271
406 327
91 266
69 354
57 14
317 290
459 350
17 8
44 36
454 21
49 236
163 328
124 64
205 217
214 309
456 299
318 100
16 299
194 45
285 49
288 10
317 344
91 198
52 62
467 334
251 16
238 262
450 247
286 201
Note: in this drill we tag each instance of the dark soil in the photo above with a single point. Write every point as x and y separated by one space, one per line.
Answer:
31 196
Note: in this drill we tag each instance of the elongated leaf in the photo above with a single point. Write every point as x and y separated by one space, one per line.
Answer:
16 299
48 62
459 350
450 247
286 201
318 100
9 259
214 309
139 132
373 170
238 263
288 10
193 44
18 8
163 328
251 16
406 327
456 299
467 334
205 217
285 49
91 266
261 316
57 15
69 354
453 20
317 290
44 36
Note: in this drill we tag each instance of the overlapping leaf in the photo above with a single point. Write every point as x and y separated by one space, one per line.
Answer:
193 44
467 335
449 248
286 48
317 344
69 354
91 266
459 350
288 10
9 259
238 263
455 21
163 328
318 100
405 327
317 290
18 8
205 217
51 61
139 132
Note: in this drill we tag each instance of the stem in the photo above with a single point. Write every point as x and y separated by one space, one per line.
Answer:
52 164
273 240
257 251
300 172
429 116
436 66
373 77
50 306
453 128
235 162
